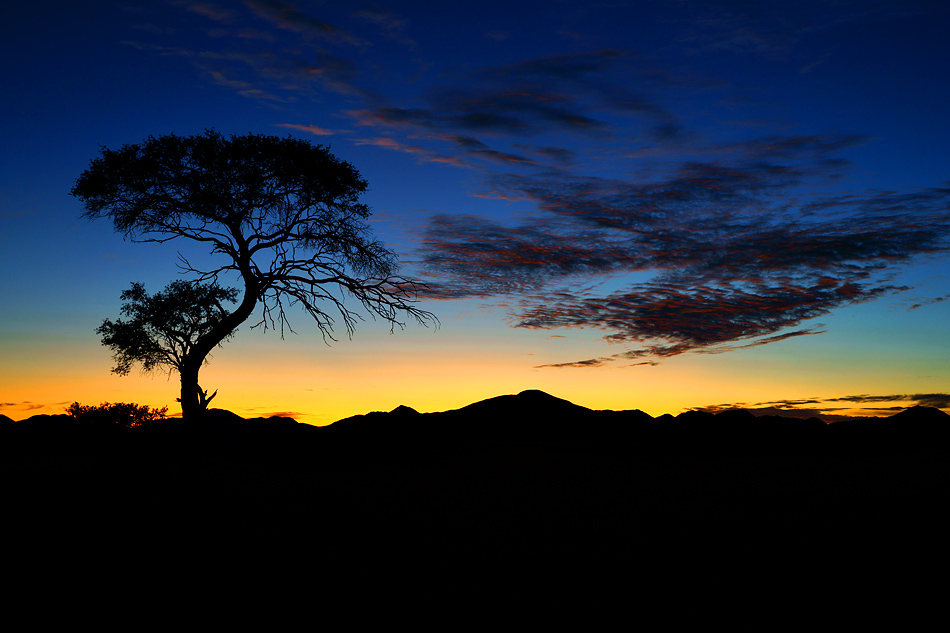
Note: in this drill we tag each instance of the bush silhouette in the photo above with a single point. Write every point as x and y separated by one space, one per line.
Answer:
128 415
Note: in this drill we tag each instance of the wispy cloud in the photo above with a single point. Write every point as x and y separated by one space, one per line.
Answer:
210 10
309 129
529 98
392 25
939 400
285 16
772 30
928 302
737 255
25 408
265 50
831 409
591 362
421 152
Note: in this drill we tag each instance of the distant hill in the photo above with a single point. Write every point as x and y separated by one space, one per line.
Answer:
530 418
537 417
491 480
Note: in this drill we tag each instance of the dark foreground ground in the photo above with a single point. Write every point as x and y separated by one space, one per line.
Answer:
497 484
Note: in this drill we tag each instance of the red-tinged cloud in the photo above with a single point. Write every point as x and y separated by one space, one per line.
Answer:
484 258
670 320
738 258
928 302
475 147
560 156
421 152
309 129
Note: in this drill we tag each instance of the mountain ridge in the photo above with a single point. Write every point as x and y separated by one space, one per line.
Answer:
536 401
515 468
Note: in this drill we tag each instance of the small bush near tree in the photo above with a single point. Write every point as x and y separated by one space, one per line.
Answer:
124 414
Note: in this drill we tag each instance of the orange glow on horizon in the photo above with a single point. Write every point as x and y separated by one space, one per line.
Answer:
260 376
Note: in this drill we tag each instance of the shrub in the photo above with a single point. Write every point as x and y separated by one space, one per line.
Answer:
124 414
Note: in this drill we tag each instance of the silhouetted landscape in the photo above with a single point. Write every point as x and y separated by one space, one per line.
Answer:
514 473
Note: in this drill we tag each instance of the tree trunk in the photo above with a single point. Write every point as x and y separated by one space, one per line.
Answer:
193 400
191 407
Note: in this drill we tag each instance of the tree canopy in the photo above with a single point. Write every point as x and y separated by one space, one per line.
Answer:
281 214
162 329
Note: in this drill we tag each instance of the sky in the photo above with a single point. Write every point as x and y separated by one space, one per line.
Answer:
660 206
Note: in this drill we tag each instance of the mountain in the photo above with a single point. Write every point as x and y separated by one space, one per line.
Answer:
539 418
526 470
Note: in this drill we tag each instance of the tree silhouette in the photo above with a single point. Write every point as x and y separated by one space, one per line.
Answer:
282 214
162 329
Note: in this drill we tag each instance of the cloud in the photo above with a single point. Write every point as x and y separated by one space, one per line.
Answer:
420 152
284 16
928 302
391 24
282 71
540 95
828 410
269 63
481 258
475 147
25 406
939 400
738 257
561 156
309 129
591 362
772 30
210 11
673 318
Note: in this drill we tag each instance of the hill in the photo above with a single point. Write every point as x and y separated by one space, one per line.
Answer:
507 475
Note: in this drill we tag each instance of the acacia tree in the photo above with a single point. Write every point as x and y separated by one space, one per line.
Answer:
162 329
281 213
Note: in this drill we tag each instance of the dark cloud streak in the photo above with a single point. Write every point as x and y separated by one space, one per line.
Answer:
736 257
827 409
531 97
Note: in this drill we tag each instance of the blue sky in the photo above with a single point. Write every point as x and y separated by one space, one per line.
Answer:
634 205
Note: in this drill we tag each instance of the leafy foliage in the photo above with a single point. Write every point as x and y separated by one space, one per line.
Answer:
162 328
123 414
285 215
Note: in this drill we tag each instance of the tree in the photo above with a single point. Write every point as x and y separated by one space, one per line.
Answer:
280 213
164 328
